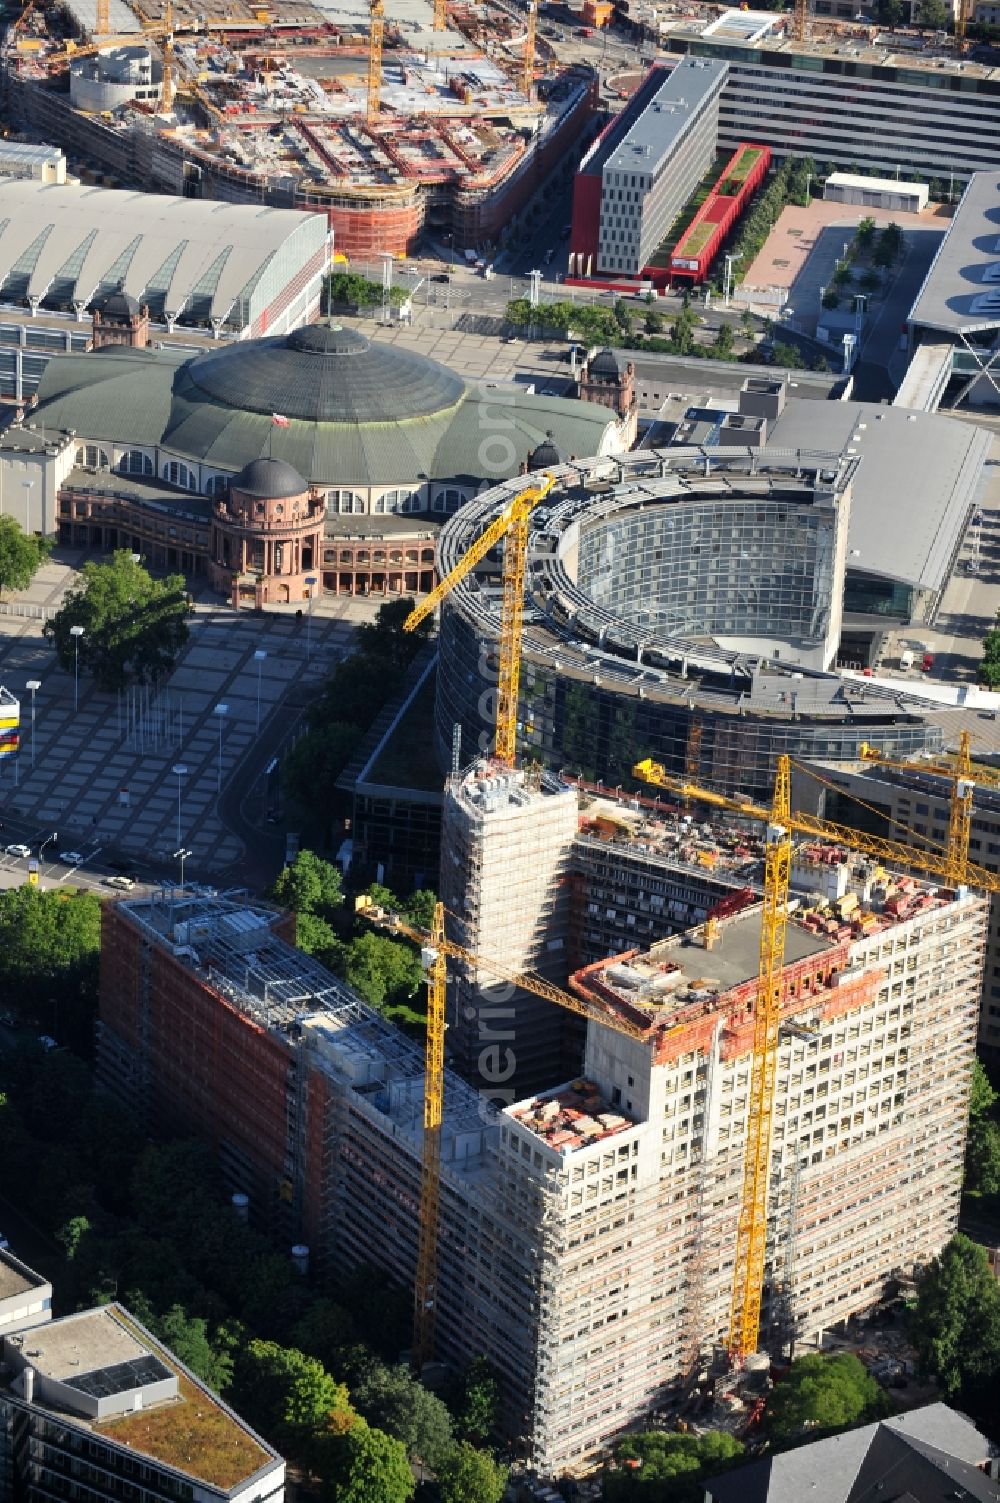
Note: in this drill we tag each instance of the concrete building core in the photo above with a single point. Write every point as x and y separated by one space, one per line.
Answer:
504 875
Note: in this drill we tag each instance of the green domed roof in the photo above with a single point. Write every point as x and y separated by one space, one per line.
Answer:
324 373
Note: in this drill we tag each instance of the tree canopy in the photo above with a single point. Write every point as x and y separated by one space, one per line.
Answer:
49 948
466 1475
309 885
134 626
345 707
369 1466
661 1467
391 1399
21 555
955 1325
982 1149
820 1393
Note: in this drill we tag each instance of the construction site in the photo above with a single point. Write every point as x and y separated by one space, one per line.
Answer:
435 121
585 1233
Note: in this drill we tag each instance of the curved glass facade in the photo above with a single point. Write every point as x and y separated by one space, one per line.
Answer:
610 670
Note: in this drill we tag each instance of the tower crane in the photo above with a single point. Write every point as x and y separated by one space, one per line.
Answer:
800 20
440 15
511 525
951 866
376 29
435 950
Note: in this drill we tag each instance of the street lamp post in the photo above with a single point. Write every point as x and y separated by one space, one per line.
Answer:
181 771
76 632
729 272
311 582
221 711
258 658
47 841
31 686
181 855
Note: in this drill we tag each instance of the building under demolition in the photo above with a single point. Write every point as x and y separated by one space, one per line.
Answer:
587 1224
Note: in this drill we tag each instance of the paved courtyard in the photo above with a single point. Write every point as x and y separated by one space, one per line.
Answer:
103 776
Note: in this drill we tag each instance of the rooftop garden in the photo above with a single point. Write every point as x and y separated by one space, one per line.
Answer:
194 1435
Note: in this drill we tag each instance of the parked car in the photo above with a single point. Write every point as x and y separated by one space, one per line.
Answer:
124 884
47 1042
70 858
18 850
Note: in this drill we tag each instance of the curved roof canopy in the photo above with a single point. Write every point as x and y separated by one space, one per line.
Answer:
358 413
70 244
324 373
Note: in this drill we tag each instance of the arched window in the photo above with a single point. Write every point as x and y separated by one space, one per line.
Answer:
449 499
93 456
134 462
216 484
179 474
345 502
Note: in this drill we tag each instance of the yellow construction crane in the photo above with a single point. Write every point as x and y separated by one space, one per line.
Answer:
167 45
512 525
528 66
376 29
440 15
435 950
952 867
800 20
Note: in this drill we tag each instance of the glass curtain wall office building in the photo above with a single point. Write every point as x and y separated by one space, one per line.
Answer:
682 605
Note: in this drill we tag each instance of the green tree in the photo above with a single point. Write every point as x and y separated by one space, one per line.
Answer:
369 1467
622 314
187 1337
385 639
864 235
982 1149
49 949
21 556
309 885
476 1402
789 356
467 1475
933 15
670 1466
134 626
288 1395
955 1325
391 1399
831 298
313 766
724 342
419 907
653 322
382 969
822 1393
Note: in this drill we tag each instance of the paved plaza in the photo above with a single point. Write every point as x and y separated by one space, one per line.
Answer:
103 776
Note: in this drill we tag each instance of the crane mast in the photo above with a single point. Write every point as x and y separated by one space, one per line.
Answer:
512 525
376 25
952 867
751 1236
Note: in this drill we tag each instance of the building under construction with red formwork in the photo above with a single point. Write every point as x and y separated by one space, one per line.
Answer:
692 257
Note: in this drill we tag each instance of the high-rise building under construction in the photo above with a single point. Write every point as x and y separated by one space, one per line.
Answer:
587 1232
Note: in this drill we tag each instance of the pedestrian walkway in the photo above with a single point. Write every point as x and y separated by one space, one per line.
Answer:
103 774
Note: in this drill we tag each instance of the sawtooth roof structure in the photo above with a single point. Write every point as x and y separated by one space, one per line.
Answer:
358 412
961 291
63 245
